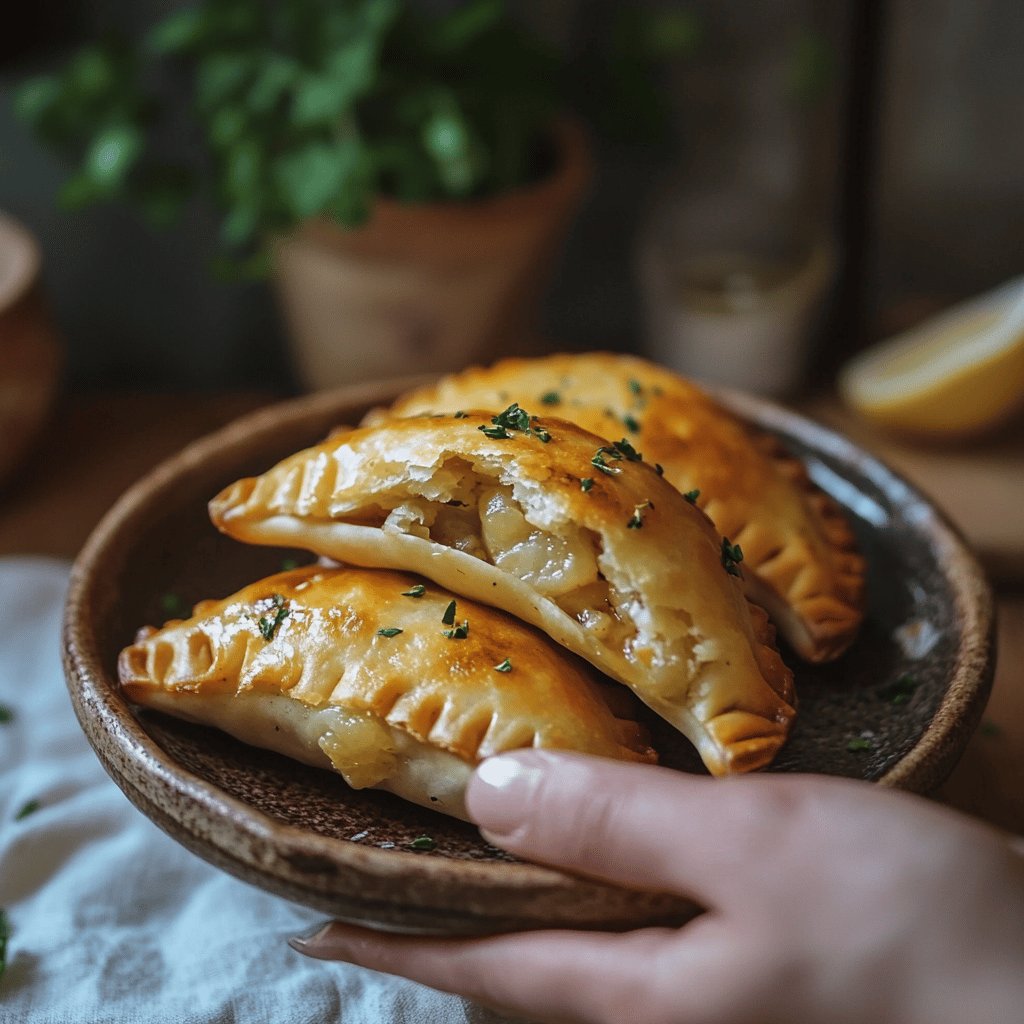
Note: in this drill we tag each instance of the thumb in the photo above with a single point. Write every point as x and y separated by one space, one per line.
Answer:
634 825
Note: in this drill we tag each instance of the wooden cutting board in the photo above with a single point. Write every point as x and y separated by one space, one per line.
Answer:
978 484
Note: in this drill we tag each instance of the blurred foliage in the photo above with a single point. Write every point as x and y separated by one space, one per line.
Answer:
315 107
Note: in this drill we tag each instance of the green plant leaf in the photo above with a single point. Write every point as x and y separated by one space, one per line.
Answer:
447 137
276 75
227 126
35 99
310 178
239 227
112 155
92 72
243 171
325 98
181 32
221 77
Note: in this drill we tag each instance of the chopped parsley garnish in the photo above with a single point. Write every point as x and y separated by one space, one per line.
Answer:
268 627
631 424
505 666
514 418
732 555
460 415
30 807
418 591
900 691
171 604
627 451
288 564
459 632
989 728
659 469
636 387
495 433
389 631
859 744
5 934
6 714
636 520
449 614
599 463
423 843
586 483
692 496
551 398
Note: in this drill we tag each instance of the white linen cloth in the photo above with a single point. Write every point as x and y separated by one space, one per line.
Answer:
113 921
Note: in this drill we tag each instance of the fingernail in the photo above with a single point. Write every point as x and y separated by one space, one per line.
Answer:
304 942
500 790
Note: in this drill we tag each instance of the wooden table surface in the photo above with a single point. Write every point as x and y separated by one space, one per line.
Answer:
96 445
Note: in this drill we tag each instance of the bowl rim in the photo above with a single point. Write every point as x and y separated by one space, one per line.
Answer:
102 710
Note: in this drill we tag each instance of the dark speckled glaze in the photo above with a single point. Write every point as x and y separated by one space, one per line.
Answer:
304 834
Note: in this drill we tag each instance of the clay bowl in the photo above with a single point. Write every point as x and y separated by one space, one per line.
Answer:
304 834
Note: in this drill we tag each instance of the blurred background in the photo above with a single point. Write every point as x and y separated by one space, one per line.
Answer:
887 133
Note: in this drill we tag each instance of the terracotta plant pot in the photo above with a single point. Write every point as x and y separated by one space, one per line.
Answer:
426 288
30 356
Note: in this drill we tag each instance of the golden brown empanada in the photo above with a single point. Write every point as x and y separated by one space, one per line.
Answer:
547 522
352 669
800 558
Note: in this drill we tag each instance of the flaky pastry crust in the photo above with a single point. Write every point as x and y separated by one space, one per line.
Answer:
548 523
298 663
800 556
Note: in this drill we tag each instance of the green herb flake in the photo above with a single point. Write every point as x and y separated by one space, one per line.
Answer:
732 555
901 690
586 483
636 387
423 843
459 632
513 418
5 934
989 728
859 744
460 415
692 496
631 424
268 627
627 451
172 604
494 433
659 469
6 714
288 564
636 520
505 666
418 591
551 398
449 614
598 462
389 631
541 434
29 807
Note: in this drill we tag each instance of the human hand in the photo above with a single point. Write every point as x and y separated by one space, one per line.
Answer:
828 901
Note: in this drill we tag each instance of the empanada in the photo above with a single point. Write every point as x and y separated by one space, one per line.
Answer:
800 558
351 669
546 521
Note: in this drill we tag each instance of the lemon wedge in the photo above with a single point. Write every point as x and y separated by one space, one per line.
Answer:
957 374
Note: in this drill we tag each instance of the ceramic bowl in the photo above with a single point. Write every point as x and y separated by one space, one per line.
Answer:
304 834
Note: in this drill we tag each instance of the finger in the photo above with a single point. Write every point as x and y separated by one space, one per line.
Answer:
642 826
545 975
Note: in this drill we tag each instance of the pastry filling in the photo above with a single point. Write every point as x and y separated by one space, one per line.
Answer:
460 508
